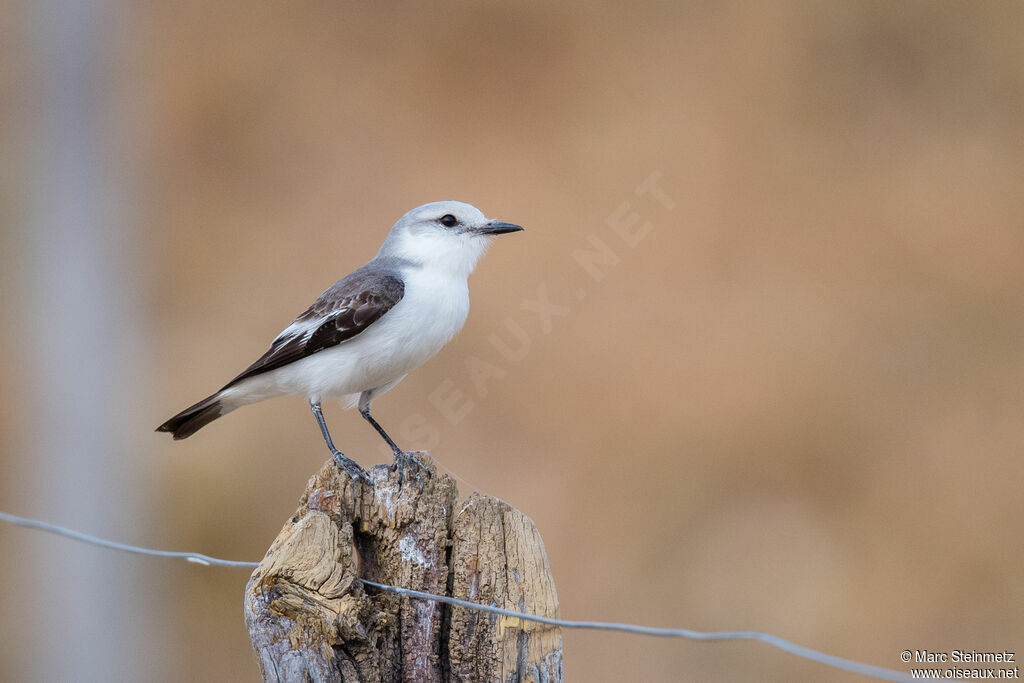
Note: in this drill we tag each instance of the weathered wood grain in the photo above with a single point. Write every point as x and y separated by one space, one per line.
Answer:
310 619
498 559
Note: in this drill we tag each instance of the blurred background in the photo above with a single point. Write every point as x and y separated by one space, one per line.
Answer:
756 363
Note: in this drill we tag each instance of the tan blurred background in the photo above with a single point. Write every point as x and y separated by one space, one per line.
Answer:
791 400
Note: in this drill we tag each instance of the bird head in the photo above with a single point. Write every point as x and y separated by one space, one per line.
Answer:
449 235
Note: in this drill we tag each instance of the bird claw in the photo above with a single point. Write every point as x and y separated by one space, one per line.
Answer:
350 466
412 461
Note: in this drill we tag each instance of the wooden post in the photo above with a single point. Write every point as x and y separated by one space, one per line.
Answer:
310 618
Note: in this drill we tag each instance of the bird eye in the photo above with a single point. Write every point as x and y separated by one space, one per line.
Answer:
448 220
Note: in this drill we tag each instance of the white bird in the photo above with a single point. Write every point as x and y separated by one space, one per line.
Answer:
364 334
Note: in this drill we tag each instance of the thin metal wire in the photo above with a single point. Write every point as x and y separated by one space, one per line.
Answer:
784 645
775 641
114 545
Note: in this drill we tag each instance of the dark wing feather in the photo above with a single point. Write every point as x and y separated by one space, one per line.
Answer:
350 306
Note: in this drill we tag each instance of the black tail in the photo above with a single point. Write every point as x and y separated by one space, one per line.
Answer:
192 419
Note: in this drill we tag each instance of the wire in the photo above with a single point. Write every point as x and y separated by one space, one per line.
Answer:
784 645
775 641
114 545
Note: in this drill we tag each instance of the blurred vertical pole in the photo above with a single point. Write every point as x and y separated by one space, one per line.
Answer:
79 344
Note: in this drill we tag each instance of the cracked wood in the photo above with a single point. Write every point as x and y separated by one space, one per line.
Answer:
310 619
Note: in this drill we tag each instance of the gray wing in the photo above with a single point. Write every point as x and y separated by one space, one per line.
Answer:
350 306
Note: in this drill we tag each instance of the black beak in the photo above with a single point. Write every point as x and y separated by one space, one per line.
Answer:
498 228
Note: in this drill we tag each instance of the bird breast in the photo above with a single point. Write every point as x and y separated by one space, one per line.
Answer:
431 312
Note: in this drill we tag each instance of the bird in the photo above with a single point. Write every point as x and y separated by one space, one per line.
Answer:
368 330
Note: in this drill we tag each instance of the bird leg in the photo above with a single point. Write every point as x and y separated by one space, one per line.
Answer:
340 459
365 412
401 457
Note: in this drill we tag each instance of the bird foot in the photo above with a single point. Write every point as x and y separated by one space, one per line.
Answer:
410 460
351 466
